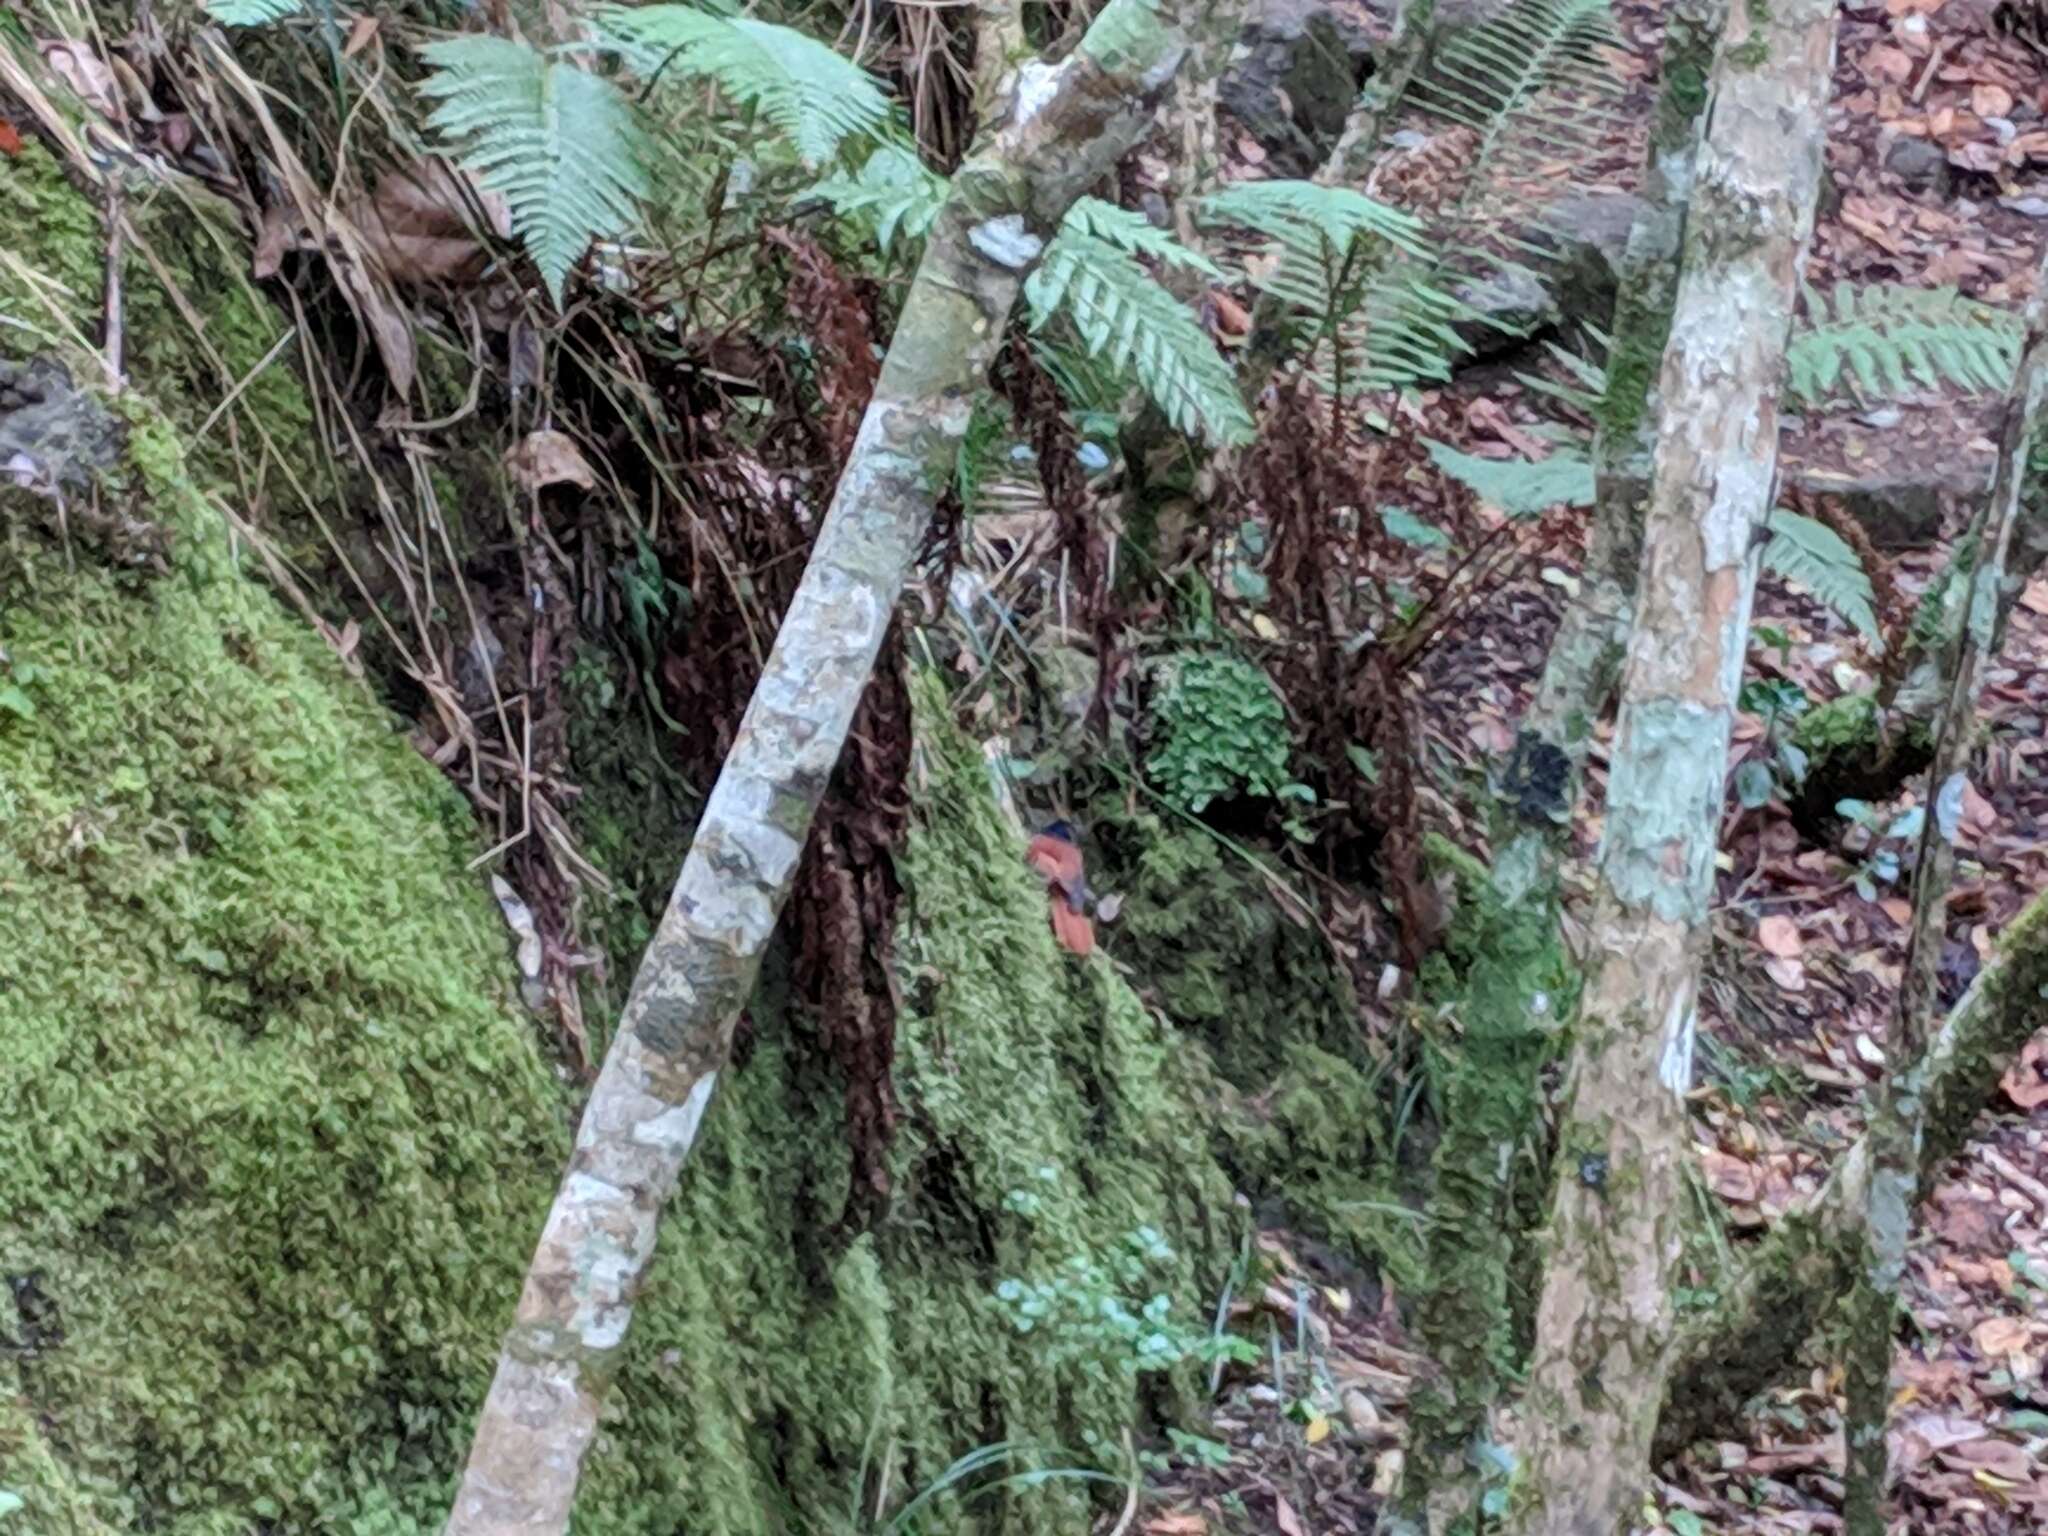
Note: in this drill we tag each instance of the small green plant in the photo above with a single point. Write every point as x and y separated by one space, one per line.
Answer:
1881 841
1093 1310
1780 762
1222 732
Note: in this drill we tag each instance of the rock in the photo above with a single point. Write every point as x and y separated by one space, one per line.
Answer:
1590 232
1583 239
52 433
1899 508
1506 306
1921 164
1297 72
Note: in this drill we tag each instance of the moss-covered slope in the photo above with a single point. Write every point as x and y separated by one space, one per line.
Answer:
275 1137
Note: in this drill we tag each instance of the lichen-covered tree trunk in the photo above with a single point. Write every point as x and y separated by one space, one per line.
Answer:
1585 656
1603 1324
1510 1001
1063 127
1897 1126
1770 1307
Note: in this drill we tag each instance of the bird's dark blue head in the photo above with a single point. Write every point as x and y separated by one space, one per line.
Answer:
1061 830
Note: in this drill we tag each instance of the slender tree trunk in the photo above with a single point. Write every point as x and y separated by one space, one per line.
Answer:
1062 128
1585 656
1809 1260
1897 1128
1603 1325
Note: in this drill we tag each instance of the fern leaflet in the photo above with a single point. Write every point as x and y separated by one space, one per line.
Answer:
1131 324
1811 553
252 13
1134 234
1890 339
560 145
812 95
893 193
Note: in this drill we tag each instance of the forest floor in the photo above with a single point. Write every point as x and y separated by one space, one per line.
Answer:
1804 966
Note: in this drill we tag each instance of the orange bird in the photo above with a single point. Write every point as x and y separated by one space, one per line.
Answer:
1056 856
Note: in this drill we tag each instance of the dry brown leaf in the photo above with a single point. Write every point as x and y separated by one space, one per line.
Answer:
1990 100
359 36
1233 320
1285 1517
1779 935
1177 1522
1790 975
2026 1079
2002 1336
421 220
2035 597
546 457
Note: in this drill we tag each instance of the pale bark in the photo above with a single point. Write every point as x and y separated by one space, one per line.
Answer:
1509 1011
1773 1303
1062 127
1897 1125
1584 661
1604 1321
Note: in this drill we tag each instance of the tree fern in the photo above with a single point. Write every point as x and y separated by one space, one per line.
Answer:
252 13
1359 269
560 145
1132 325
1814 555
809 93
1134 234
1889 339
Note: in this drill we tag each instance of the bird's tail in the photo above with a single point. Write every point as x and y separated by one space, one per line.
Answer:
1073 929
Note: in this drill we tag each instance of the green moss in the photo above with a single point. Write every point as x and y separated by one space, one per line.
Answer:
1013 1059
1216 952
188 268
1493 996
275 1139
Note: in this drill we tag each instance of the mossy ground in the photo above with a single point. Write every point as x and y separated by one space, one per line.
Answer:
278 1136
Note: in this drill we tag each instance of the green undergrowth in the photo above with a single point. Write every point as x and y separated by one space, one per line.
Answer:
1492 998
194 326
277 1137
1048 1117
1208 943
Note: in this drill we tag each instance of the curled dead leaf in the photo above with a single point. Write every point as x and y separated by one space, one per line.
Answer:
2026 1079
86 73
546 457
1779 935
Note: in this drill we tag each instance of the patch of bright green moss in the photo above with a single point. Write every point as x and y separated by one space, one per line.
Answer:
275 1142
184 253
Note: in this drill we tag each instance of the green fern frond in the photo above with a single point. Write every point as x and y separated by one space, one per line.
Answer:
252 13
1133 233
1814 555
893 193
1890 339
1586 387
560 145
816 98
1517 486
1501 78
1356 267
1404 333
1307 218
1133 325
